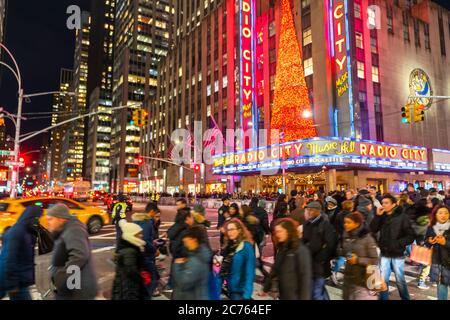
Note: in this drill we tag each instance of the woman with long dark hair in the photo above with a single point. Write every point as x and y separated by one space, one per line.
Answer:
293 266
238 265
438 237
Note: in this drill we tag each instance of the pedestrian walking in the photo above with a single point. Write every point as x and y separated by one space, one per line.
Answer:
238 265
395 235
281 203
292 201
366 208
191 273
321 238
438 237
71 253
17 266
222 212
331 209
347 208
129 283
293 266
146 222
360 250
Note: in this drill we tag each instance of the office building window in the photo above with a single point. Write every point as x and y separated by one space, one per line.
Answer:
357 11
361 70
375 74
359 40
308 67
390 19
307 37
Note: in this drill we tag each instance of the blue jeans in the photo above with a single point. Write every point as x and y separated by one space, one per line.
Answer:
339 263
319 291
23 294
397 265
442 292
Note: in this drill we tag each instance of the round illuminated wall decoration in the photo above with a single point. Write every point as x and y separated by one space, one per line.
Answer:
420 85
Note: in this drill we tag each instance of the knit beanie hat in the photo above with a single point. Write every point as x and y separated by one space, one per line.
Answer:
59 211
129 232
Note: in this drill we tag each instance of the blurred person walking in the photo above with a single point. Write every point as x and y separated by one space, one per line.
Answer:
191 273
17 266
71 253
293 266
129 282
360 250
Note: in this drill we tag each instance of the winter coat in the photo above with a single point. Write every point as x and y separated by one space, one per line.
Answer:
263 217
332 215
440 268
293 272
242 273
146 223
175 234
221 215
72 248
395 233
128 283
191 278
292 205
362 244
17 254
322 239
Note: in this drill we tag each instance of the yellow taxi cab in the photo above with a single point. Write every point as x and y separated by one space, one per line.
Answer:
10 210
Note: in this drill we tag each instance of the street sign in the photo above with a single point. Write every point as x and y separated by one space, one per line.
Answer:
6 153
15 164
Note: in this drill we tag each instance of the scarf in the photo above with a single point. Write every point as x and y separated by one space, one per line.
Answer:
134 241
440 228
228 255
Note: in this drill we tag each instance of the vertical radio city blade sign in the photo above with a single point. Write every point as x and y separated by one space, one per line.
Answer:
340 51
247 78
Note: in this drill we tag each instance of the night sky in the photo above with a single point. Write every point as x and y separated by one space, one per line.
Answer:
38 37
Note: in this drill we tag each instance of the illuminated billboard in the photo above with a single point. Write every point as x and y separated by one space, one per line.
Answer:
441 160
324 151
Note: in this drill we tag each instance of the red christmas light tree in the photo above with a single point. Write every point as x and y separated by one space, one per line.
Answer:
291 111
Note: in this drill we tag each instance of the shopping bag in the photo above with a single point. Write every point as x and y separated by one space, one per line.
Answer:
421 254
374 279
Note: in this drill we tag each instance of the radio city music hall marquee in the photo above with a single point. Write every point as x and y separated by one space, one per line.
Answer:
324 151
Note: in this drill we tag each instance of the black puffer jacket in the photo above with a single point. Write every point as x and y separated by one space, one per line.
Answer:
322 239
395 233
440 268
293 271
128 283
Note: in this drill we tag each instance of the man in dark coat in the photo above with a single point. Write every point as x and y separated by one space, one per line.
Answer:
395 235
17 271
322 239
72 270
223 211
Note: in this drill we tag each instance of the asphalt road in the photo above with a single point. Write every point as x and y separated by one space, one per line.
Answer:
103 247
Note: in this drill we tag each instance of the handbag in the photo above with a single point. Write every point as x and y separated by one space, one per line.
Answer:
44 239
422 255
374 279
146 277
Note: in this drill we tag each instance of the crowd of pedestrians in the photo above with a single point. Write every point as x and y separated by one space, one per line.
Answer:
356 239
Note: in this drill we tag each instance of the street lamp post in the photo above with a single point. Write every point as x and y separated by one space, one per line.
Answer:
18 122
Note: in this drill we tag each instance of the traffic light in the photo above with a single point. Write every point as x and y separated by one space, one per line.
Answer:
140 161
419 113
196 168
406 114
135 117
144 117
22 159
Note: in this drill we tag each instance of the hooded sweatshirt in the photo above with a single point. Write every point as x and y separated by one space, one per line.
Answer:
17 255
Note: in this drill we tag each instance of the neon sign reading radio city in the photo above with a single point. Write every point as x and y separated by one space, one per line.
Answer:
342 84
325 147
247 77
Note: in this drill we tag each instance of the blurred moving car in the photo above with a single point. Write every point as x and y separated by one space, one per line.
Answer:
11 209
113 199
98 195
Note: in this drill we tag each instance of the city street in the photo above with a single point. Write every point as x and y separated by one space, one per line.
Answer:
103 248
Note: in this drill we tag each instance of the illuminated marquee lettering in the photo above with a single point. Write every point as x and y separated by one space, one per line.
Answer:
324 150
